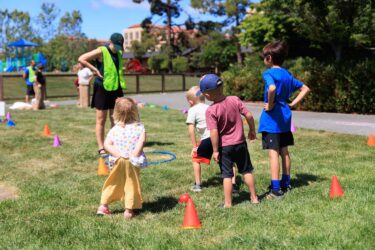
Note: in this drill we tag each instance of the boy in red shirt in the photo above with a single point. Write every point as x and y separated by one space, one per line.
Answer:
224 121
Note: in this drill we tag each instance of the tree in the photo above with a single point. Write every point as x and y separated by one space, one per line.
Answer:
70 24
217 53
169 9
234 10
335 24
46 19
13 26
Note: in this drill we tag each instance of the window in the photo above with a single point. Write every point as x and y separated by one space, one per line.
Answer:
131 36
126 36
137 35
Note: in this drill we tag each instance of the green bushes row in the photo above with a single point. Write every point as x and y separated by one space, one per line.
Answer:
347 88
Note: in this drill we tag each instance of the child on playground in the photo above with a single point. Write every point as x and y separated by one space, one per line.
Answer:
202 151
125 143
224 121
275 120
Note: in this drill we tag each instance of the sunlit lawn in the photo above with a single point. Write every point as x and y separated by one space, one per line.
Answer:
59 191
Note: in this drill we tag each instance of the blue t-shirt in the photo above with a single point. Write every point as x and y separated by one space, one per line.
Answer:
278 120
27 77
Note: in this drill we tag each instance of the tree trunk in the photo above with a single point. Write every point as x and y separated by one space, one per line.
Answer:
237 42
169 35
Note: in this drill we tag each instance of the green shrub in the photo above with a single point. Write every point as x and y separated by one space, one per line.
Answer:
321 78
356 89
158 62
180 64
245 81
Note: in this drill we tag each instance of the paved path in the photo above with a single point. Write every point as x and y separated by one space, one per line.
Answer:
340 123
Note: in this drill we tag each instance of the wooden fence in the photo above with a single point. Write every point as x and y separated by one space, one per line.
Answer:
60 85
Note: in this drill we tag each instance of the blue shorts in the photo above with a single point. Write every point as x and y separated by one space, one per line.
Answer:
234 154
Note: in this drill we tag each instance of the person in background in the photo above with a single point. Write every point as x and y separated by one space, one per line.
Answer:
109 82
84 77
29 76
39 88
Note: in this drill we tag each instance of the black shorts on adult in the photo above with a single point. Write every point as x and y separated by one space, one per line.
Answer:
234 154
103 99
277 140
30 90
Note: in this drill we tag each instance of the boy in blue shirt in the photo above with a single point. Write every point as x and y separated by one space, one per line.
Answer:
276 117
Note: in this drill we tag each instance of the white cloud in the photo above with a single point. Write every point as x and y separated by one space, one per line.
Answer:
191 11
126 4
95 4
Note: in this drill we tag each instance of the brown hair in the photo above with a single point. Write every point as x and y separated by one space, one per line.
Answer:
277 50
125 111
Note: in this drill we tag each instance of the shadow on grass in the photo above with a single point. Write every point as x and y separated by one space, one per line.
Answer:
213 181
162 204
298 181
157 143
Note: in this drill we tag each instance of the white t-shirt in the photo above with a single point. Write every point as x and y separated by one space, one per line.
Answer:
84 76
197 117
124 140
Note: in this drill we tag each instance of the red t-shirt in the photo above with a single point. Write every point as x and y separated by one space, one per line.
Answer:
225 116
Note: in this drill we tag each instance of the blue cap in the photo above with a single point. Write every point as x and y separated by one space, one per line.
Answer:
209 82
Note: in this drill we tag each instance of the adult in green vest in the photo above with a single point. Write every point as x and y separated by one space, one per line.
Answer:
109 82
29 76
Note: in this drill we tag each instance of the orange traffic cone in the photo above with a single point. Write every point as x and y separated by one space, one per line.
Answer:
336 190
102 168
191 220
46 131
371 140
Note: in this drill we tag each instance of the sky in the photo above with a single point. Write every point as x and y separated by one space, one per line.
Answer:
101 18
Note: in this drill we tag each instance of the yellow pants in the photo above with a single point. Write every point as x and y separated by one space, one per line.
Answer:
123 184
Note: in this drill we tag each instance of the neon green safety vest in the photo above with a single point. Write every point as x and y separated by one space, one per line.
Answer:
31 74
111 77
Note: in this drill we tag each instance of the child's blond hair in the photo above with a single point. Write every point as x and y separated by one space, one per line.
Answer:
125 111
191 95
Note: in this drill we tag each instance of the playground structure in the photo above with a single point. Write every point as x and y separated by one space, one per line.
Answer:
19 63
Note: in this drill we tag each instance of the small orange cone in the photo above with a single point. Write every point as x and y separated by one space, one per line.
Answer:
336 190
46 131
102 168
191 220
371 140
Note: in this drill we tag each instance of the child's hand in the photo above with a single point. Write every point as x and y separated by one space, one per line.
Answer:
268 106
252 135
194 151
216 156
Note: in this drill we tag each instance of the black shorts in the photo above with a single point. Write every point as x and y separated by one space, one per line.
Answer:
30 90
277 140
204 152
234 154
103 99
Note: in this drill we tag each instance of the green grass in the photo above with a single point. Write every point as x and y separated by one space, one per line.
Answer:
59 191
15 88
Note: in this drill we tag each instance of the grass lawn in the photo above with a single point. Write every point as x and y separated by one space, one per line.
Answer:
58 191
15 88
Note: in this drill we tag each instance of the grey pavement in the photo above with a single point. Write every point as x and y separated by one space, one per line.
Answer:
339 123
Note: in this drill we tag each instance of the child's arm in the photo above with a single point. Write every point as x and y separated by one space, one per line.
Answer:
250 121
304 90
108 145
191 130
214 134
271 98
139 146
